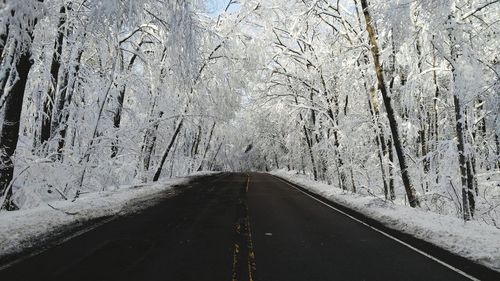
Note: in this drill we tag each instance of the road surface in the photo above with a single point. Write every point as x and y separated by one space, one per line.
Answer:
243 227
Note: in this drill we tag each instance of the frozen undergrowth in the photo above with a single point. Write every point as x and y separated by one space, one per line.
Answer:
474 240
23 229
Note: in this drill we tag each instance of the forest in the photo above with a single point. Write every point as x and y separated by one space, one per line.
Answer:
392 99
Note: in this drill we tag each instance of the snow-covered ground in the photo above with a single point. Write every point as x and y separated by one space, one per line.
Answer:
23 229
474 240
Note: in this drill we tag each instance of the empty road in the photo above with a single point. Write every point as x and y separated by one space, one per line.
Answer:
238 226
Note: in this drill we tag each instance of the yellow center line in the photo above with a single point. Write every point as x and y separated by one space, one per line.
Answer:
248 181
235 262
243 230
251 254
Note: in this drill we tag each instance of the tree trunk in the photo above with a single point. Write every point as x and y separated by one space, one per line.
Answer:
321 169
353 183
461 154
309 147
167 151
392 193
7 63
497 144
410 191
9 133
149 143
117 120
423 119
373 108
207 147
334 119
460 128
380 139
309 144
10 128
196 142
48 103
435 121
212 163
117 117
70 82
3 42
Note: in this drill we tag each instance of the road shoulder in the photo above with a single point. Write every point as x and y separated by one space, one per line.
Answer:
26 233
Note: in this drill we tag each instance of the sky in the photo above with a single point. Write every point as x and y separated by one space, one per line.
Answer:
216 6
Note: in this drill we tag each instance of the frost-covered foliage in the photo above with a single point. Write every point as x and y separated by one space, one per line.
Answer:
18 18
110 83
315 106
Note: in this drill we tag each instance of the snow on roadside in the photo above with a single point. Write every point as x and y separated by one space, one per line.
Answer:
23 229
473 240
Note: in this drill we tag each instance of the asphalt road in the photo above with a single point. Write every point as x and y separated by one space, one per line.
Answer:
241 227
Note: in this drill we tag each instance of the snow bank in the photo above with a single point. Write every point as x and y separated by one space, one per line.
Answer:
23 229
473 240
